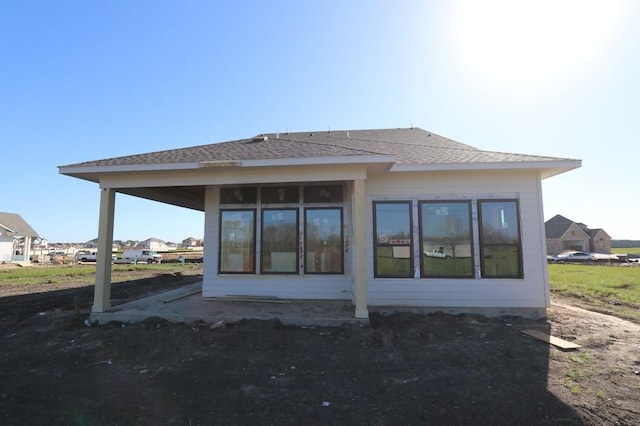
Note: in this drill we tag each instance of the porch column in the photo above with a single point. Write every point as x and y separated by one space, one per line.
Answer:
360 246
102 291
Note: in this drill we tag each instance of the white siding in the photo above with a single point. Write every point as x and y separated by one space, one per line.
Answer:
529 292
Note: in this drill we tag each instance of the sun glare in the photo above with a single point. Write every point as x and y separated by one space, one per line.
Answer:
525 46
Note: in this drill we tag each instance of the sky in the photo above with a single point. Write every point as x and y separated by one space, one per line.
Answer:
89 80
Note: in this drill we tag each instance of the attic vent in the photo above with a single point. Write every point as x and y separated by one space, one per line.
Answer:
260 138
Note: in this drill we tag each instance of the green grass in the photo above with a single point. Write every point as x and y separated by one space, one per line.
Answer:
625 250
610 289
73 273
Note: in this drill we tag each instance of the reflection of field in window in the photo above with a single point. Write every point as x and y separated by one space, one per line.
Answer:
500 239
279 240
236 241
389 265
446 239
393 239
323 240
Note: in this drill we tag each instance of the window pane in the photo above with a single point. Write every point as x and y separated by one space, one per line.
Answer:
393 240
323 241
280 194
500 239
447 245
238 195
323 194
280 240
237 229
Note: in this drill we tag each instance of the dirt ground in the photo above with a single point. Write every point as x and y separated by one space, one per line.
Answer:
400 369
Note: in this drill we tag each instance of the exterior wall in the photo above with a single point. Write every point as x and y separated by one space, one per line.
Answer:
529 292
6 248
301 286
601 243
575 239
554 246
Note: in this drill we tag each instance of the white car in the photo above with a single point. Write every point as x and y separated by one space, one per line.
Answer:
439 253
573 256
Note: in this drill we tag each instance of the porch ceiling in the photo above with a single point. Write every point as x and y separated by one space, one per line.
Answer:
191 197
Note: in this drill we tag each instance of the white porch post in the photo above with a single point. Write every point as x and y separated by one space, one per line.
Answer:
26 249
102 291
360 246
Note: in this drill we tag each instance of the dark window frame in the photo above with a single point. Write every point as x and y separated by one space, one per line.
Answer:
297 251
220 232
342 251
483 273
377 245
423 273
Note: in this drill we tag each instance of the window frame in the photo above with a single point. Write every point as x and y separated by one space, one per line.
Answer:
423 272
253 240
483 244
305 243
377 245
262 240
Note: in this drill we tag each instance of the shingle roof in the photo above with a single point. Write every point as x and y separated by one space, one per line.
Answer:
13 224
410 146
557 226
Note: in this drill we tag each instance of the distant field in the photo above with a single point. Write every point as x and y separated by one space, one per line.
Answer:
609 289
625 250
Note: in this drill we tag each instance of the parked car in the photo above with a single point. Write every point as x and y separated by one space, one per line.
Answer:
439 253
573 256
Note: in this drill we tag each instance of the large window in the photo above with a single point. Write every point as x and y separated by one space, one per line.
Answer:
279 250
237 241
393 242
500 245
323 241
446 241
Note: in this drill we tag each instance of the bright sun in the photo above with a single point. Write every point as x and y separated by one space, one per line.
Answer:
525 46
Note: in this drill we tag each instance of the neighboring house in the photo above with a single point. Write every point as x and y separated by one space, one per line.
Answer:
16 237
564 234
154 244
190 242
348 215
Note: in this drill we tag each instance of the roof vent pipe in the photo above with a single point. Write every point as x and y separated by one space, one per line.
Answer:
260 138
348 135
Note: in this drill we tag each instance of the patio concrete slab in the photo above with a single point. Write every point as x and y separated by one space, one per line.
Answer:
186 304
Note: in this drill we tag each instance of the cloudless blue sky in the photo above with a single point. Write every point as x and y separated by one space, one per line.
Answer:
87 80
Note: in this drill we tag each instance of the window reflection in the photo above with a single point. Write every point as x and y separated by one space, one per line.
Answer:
393 239
237 239
323 241
279 241
500 243
447 244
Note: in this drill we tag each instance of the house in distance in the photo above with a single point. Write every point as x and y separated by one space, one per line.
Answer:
354 215
564 234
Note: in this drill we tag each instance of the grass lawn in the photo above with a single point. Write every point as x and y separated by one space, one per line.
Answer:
75 273
609 289
625 250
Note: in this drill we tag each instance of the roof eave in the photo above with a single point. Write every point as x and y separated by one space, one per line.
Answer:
92 173
547 168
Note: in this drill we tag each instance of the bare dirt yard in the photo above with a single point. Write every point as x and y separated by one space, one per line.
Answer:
400 369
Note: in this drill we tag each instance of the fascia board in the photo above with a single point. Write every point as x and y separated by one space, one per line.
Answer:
549 168
79 170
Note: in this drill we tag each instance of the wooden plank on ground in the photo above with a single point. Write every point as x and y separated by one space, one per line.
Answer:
555 341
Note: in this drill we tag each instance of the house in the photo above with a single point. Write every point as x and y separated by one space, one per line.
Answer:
16 237
190 242
348 215
154 244
564 234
